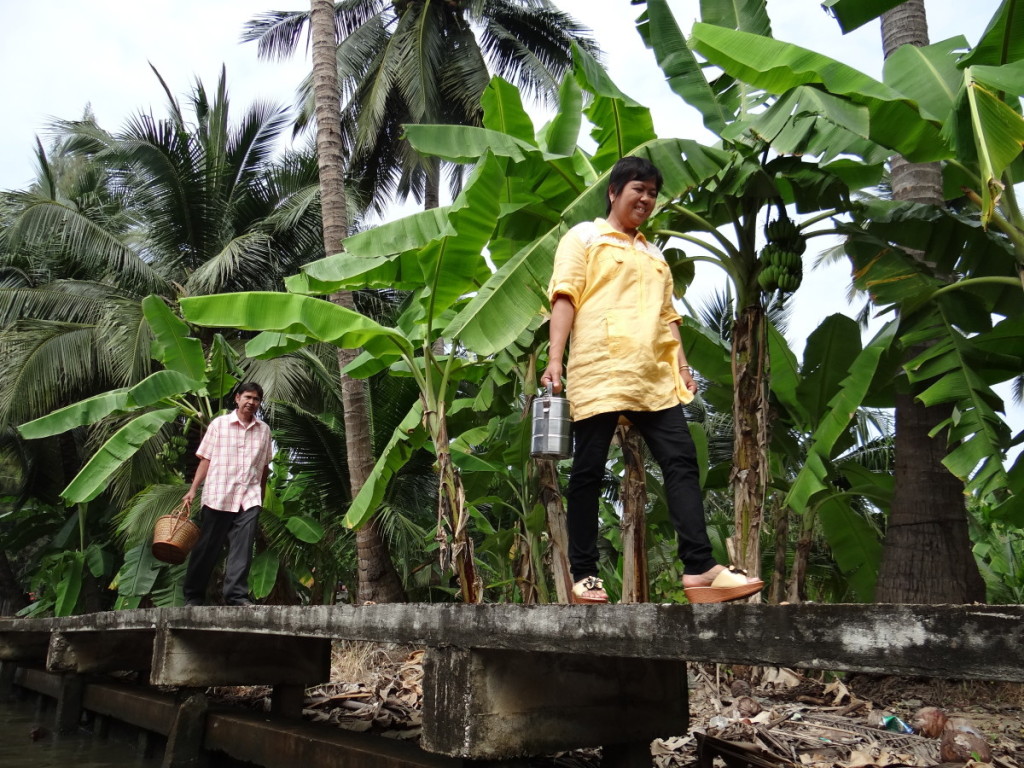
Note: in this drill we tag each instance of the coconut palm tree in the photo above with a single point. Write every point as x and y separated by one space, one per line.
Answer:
186 204
425 63
921 538
377 577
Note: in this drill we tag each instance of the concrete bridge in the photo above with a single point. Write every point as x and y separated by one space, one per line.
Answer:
500 681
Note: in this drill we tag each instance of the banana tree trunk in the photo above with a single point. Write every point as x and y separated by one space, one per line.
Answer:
778 586
558 529
378 579
750 471
528 573
454 543
796 587
635 584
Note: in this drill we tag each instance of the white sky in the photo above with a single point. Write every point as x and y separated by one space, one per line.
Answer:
61 55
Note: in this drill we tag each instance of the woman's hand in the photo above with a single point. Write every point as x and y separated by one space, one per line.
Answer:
552 375
688 381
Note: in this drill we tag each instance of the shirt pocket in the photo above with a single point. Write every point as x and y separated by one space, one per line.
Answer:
607 265
620 328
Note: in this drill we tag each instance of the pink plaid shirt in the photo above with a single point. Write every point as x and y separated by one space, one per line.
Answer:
238 455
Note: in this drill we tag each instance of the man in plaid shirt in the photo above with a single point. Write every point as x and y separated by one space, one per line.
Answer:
234 463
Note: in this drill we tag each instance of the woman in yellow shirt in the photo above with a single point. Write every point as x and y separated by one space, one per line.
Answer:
611 291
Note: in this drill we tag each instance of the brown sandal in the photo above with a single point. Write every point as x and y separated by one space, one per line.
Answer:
731 583
589 584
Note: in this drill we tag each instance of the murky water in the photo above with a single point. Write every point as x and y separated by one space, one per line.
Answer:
27 740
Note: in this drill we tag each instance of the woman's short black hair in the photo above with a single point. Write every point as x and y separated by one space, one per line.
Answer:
630 168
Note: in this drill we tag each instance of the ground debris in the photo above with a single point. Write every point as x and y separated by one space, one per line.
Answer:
807 720
387 700
768 718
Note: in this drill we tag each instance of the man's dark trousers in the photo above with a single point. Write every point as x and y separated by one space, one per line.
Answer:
239 530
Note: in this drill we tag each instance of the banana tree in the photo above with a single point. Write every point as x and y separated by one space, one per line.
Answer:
960 106
138 414
524 192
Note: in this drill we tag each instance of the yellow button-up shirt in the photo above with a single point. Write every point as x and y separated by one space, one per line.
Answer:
622 353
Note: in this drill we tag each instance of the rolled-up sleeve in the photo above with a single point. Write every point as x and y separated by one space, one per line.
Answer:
569 276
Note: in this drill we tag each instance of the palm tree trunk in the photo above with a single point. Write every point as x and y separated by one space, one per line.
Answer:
635 584
378 579
926 555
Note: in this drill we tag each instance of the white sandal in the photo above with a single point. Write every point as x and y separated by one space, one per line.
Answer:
730 583
589 584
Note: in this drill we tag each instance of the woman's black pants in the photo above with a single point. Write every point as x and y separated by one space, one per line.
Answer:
668 438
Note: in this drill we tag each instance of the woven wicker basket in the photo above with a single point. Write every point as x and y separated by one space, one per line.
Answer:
174 536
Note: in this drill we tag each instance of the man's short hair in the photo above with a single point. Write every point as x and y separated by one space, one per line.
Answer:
249 386
630 168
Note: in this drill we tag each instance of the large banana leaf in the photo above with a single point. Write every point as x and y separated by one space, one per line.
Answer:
852 14
70 585
366 262
304 316
139 572
560 136
453 265
122 445
172 346
776 67
263 574
928 75
834 422
809 121
407 438
682 70
1002 42
620 124
954 246
854 544
160 386
784 375
442 268
830 352
87 411
223 365
746 15
504 112
954 363
998 133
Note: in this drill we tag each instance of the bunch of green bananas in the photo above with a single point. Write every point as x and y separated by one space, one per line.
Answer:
173 449
781 265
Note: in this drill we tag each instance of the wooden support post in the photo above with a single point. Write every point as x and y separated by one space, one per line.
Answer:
185 741
69 704
144 744
7 669
101 726
286 701
634 754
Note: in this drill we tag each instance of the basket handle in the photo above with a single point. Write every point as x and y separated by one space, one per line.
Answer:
182 511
